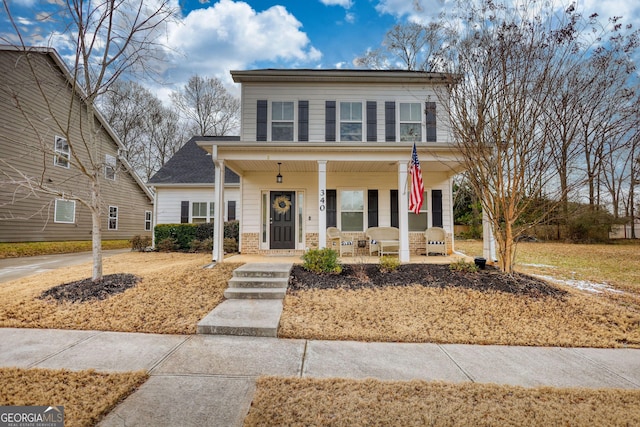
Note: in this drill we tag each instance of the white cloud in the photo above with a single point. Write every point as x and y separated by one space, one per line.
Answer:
232 35
344 3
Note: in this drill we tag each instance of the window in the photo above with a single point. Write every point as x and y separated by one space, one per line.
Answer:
350 121
410 122
113 218
231 210
212 210
352 210
110 167
198 212
419 222
147 220
282 121
65 211
61 157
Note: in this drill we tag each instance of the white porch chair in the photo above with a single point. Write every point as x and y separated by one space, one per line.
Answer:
335 239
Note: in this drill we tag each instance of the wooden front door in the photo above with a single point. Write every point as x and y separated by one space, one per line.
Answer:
282 228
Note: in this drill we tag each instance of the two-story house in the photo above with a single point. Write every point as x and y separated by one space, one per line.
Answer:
321 148
40 109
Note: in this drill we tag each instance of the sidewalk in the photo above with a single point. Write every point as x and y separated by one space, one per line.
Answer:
210 380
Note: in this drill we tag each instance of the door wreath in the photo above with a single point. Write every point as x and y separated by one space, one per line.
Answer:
281 204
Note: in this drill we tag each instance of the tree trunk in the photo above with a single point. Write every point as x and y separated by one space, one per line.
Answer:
96 232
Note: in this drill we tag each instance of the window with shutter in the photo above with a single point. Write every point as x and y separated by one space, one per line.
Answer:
261 120
330 121
184 212
436 208
303 120
430 112
372 121
372 208
390 121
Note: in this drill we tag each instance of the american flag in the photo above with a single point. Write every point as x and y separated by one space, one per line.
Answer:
416 196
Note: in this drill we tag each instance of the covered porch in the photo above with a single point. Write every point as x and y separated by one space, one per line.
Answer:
291 193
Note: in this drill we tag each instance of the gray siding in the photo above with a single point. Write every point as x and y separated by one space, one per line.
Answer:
26 147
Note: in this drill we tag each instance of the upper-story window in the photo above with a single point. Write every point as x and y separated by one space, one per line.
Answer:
411 121
110 167
282 121
351 121
61 157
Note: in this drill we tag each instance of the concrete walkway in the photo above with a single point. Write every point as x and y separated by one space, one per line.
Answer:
210 380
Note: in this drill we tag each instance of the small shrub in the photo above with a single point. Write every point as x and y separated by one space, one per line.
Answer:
232 229
204 231
321 261
167 245
389 263
230 245
194 246
140 243
464 266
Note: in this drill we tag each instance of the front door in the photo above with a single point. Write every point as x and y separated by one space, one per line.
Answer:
282 230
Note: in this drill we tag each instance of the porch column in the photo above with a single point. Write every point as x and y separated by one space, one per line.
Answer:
403 213
488 240
218 214
322 204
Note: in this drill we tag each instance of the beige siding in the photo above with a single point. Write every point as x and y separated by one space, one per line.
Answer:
27 142
318 94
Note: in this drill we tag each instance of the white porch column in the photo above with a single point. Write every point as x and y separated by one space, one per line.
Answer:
322 204
218 221
403 214
488 240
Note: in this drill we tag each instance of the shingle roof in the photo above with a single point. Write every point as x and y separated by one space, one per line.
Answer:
192 165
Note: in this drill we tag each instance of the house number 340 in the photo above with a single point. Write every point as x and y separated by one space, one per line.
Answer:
322 200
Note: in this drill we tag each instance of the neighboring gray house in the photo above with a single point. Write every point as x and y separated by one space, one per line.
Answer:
185 188
33 146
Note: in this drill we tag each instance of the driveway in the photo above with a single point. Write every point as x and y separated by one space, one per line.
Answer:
16 268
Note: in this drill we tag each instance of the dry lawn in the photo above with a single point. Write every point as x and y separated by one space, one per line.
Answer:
418 314
174 295
336 402
86 395
616 264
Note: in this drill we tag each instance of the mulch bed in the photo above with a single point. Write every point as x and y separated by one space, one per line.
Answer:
359 276
88 290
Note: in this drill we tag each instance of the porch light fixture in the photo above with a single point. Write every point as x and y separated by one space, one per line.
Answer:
279 176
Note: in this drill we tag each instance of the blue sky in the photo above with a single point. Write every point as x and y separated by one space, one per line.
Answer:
216 36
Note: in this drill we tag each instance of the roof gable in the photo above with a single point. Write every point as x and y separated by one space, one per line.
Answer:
193 165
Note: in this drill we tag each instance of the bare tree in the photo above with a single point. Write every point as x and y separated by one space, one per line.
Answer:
409 46
509 61
206 103
151 132
109 39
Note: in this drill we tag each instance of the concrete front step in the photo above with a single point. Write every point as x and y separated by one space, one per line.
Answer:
243 317
263 269
255 293
258 282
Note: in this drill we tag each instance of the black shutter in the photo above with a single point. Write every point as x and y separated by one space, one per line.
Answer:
430 111
394 209
390 121
303 120
436 208
372 121
184 212
332 208
231 210
261 120
372 207
330 121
